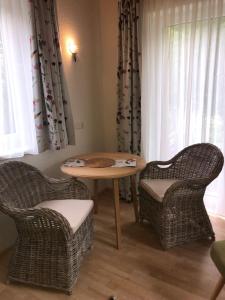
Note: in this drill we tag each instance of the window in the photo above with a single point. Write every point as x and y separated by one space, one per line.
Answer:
17 128
7 123
196 81
183 75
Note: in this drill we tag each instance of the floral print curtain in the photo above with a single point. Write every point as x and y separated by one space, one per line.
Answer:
129 90
49 100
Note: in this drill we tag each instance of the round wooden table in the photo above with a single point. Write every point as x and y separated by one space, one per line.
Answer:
114 173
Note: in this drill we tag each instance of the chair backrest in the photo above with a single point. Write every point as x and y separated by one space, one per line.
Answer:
198 161
21 185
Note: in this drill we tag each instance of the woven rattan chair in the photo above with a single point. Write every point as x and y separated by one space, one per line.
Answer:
48 250
171 194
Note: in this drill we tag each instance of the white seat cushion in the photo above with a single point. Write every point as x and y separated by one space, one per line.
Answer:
157 187
75 211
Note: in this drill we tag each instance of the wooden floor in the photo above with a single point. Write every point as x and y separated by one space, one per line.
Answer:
140 270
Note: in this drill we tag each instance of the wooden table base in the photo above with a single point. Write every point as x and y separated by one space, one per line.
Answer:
95 198
134 197
116 192
114 174
117 211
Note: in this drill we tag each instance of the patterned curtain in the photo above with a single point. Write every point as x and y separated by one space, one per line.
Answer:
49 100
129 90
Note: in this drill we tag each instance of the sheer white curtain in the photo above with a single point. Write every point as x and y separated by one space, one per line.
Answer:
17 128
183 81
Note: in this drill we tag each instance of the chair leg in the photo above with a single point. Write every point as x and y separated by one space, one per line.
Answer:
218 288
69 293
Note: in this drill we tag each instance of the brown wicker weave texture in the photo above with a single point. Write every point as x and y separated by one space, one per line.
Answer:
47 253
182 217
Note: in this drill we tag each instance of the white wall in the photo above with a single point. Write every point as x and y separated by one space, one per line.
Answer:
78 20
91 85
108 73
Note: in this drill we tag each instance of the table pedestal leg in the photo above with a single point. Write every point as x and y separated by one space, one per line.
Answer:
117 211
96 196
134 197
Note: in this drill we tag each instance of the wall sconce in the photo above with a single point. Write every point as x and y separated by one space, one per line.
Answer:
72 48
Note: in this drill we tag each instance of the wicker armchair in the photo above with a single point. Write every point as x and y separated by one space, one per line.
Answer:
171 194
48 251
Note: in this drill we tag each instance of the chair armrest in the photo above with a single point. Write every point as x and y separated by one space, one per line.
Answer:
185 188
154 170
197 183
40 221
69 188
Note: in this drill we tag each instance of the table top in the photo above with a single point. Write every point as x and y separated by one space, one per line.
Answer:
108 172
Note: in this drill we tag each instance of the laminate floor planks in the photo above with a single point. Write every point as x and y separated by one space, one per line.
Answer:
141 270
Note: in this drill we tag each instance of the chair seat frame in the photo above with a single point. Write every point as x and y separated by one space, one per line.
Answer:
181 217
47 253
